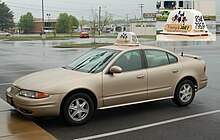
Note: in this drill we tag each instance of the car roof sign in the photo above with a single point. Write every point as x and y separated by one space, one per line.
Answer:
186 22
127 39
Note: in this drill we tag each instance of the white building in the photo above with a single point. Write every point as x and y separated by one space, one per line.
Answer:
206 7
144 28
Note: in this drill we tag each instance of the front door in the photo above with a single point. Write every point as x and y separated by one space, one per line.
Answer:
128 86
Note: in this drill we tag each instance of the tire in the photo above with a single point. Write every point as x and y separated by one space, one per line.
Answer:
77 109
184 93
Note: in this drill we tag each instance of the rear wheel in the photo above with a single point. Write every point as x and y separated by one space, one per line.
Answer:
78 109
185 93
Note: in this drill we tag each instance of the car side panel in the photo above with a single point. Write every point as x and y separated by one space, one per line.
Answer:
195 68
124 87
162 80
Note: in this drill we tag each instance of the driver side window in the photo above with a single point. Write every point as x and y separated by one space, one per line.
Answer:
130 61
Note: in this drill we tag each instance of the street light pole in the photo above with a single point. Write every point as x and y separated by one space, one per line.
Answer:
48 22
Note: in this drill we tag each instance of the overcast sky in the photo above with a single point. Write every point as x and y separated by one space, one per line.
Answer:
79 8
83 8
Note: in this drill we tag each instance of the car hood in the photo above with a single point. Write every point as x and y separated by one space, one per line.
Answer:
39 81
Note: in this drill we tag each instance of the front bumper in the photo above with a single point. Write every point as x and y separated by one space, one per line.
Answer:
49 106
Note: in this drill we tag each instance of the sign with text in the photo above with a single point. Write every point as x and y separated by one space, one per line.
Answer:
178 28
149 15
186 22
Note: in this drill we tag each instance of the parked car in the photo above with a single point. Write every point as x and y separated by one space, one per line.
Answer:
84 35
122 74
5 34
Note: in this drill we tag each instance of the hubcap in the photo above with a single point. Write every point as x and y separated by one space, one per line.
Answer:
78 109
185 93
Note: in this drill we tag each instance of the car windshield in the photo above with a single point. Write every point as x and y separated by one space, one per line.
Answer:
94 61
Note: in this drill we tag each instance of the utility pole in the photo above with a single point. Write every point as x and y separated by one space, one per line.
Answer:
127 22
100 20
141 6
81 24
43 16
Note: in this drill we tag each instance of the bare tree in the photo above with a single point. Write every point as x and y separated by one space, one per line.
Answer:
94 20
106 19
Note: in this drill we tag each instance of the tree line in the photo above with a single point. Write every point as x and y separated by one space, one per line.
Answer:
26 23
64 23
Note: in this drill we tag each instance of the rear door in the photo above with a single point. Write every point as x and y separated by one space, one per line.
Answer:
163 72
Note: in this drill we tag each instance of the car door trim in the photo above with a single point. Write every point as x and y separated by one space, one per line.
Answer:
145 101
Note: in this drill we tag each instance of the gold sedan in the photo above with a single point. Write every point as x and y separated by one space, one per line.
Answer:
109 77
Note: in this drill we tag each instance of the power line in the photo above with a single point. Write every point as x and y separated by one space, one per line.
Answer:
37 9
37 5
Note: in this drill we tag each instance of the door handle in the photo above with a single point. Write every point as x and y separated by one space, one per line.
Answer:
175 71
140 76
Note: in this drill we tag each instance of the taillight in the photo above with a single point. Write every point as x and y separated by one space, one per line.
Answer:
205 68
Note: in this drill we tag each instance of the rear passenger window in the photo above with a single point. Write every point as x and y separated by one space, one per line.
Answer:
172 58
159 58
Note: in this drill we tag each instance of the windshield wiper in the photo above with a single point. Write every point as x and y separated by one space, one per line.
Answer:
92 70
90 59
79 65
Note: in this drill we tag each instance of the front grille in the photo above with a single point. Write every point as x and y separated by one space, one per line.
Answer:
14 90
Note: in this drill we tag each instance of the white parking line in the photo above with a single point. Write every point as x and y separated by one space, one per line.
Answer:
148 125
5 84
18 71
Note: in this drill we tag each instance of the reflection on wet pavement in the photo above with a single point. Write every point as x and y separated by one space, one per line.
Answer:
16 126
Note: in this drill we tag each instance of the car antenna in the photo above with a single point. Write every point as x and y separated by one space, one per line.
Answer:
182 51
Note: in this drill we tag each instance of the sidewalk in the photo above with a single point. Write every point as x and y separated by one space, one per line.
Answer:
15 126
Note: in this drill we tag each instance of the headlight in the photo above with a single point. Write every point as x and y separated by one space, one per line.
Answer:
8 89
33 94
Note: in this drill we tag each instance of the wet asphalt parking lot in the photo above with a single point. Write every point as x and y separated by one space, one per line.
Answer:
156 120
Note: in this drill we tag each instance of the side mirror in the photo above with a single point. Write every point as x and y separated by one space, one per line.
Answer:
115 69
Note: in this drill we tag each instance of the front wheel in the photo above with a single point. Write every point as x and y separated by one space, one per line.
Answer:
185 93
78 109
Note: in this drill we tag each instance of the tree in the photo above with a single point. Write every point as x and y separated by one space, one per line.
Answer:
6 17
72 23
66 22
94 19
26 23
158 5
106 19
62 23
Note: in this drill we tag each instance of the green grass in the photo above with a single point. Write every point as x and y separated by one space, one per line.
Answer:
30 38
147 36
162 18
212 18
51 37
84 45
158 31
